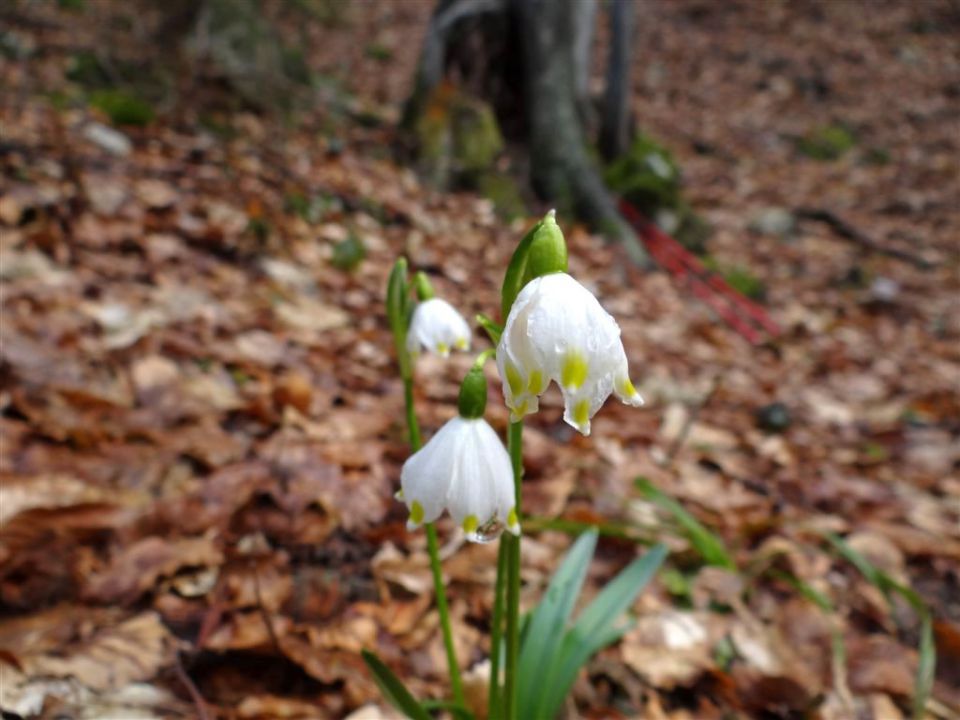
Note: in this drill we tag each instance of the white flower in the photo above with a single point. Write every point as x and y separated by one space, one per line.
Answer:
557 331
466 470
437 326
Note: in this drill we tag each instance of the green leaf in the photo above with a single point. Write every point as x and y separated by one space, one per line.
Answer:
804 588
548 622
926 669
455 709
710 547
493 329
393 689
349 253
122 107
600 624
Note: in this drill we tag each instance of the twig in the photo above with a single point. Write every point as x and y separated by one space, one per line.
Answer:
191 688
846 230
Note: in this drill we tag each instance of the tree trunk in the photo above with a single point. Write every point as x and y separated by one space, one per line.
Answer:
615 128
586 23
561 169
554 39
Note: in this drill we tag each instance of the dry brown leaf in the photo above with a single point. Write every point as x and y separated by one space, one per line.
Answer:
140 565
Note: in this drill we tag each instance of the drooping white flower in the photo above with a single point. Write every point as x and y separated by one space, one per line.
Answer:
438 327
464 469
557 330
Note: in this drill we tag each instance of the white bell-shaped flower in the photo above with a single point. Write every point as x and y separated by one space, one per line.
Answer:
464 469
557 330
438 327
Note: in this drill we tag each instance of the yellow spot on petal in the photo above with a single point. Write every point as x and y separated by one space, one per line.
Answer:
398 494
416 512
514 380
573 373
534 385
460 344
512 520
581 412
626 388
470 524
443 348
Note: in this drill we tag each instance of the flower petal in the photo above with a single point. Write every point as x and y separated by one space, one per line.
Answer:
437 327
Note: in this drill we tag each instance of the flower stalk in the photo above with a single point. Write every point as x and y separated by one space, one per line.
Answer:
398 313
515 448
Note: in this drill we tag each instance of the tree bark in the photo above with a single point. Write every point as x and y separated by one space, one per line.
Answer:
586 24
561 169
554 38
615 126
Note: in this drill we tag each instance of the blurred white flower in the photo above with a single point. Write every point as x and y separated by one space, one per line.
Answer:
464 469
438 327
558 331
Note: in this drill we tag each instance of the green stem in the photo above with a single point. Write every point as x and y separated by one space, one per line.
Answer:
433 547
494 709
413 427
455 683
511 681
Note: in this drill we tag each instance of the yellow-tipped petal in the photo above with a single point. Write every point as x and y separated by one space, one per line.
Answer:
470 524
443 348
460 344
514 380
581 412
573 372
513 522
416 512
535 383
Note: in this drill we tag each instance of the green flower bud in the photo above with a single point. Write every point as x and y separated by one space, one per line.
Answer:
548 249
472 402
398 313
424 288
542 251
397 297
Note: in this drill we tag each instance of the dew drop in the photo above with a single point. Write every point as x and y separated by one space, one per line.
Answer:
489 531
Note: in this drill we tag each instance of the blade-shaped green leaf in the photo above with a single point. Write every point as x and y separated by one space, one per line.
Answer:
710 547
456 710
926 669
393 689
493 329
600 624
548 622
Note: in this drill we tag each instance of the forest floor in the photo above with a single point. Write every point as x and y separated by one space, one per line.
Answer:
201 417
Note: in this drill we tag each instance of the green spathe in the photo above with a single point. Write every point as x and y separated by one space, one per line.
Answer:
472 402
398 310
423 286
542 251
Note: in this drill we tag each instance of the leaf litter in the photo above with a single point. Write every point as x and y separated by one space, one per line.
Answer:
202 426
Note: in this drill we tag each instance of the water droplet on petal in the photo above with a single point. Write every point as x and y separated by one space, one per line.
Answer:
489 531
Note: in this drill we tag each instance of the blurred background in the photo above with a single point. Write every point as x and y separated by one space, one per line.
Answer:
201 417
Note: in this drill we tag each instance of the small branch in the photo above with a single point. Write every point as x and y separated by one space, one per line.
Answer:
191 689
850 232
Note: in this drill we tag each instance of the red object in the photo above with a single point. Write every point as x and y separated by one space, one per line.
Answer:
746 317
